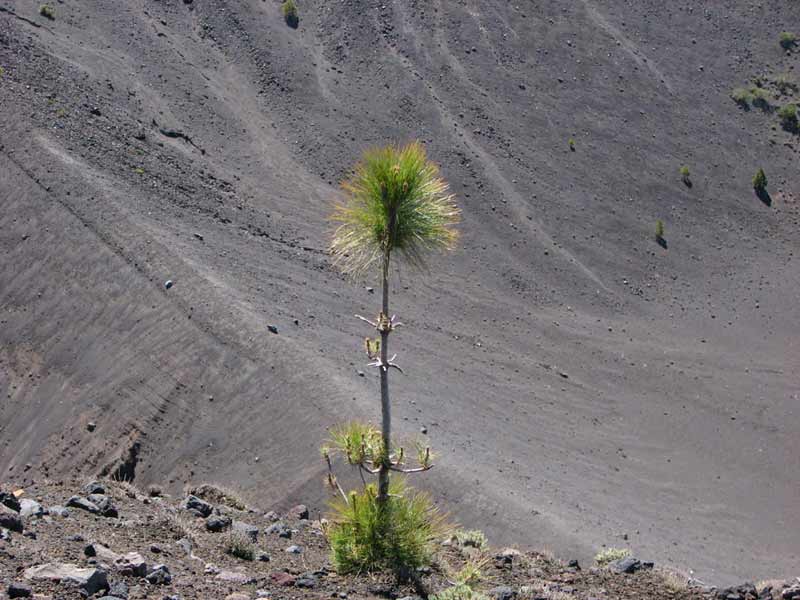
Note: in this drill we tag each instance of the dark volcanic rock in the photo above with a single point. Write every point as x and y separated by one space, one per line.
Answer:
94 487
83 504
159 575
629 564
298 512
104 505
218 523
19 590
10 501
10 519
199 507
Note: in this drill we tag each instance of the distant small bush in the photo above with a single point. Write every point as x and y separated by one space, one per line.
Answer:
240 545
459 592
610 555
47 11
788 117
760 97
787 40
290 14
742 97
471 574
684 171
785 83
760 181
217 494
659 229
361 541
470 538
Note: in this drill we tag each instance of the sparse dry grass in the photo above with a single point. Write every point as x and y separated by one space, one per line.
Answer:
217 494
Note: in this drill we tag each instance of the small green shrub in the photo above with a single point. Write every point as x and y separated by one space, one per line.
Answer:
760 97
741 96
240 545
785 83
139 171
610 555
473 538
684 171
788 117
760 181
47 11
290 14
402 536
571 143
787 40
471 574
459 592
2 71
659 229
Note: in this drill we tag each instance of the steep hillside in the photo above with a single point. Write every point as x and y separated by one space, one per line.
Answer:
584 385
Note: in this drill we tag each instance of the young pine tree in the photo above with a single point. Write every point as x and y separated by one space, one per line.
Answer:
397 207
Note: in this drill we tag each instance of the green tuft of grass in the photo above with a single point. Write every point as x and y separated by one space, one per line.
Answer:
473 538
742 96
290 14
788 116
47 11
610 555
787 40
571 143
685 175
459 592
139 171
239 545
401 535
659 229
760 181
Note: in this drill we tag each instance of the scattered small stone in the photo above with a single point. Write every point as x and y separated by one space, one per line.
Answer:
218 523
263 557
104 504
30 508
168 284
82 504
307 580
94 487
10 520
199 236
251 531
237 596
298 512
294 550
199 507
272 328
155 549
91 426
119 590
272 516
9 501
159 575
629 564
235 577
186 544
58 511
502 592
282 579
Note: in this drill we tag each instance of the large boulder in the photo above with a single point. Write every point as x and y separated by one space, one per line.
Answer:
90 581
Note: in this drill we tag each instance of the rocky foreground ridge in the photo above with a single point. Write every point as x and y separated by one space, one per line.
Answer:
110 540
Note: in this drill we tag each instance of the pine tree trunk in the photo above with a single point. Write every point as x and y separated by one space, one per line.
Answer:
386 414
